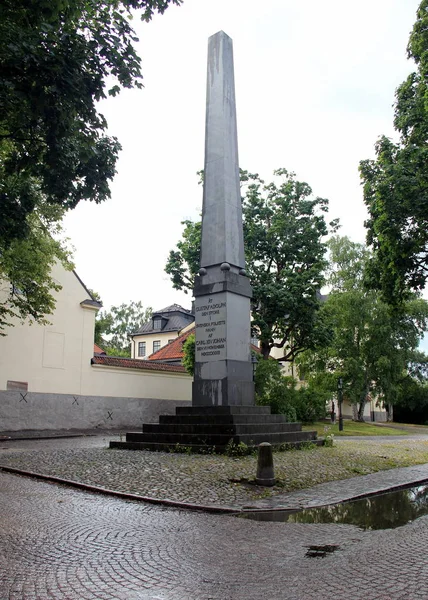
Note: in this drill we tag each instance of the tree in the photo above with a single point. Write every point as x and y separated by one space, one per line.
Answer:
58 58
396 183
117 324
189 354
183 263
284 228
26 281
372 347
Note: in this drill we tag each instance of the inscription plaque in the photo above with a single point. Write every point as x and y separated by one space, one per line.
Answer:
210 323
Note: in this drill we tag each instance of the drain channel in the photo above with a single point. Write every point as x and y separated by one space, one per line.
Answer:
321 551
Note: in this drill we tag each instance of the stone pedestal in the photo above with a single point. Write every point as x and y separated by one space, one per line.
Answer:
215 428
223 368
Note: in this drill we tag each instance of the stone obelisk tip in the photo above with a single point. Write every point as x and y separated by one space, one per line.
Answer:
222 236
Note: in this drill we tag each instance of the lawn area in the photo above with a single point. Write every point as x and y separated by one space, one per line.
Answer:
352 428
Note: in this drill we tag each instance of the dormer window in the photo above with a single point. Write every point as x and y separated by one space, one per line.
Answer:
157 323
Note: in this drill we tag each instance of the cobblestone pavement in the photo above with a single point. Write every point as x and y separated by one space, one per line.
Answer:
64 544
220 481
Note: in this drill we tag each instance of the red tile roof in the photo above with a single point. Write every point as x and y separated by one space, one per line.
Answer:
98 350
135 363
173 350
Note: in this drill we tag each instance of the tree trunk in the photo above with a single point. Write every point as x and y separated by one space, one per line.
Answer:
354 412
361 410
389 412
363 400
265 349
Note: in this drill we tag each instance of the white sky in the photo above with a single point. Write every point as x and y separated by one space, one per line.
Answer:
315 86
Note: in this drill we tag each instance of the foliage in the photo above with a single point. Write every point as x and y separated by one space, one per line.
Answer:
268 375
372 346
310 404
283 231
412 400
282 395
189 354
329 440
396 183
58 58
236 450
183 263
26 280
117 324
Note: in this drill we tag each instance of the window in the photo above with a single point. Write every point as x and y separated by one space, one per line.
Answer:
141 348
157 323
255 342
156 345
169 341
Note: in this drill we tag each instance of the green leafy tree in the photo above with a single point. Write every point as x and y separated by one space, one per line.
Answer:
284 228
372 347
103 324
26 282
112 328
58 58
396 183
183 263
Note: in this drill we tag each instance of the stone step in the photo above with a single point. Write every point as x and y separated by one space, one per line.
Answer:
222 410
201 448
208 439
217 428
240 418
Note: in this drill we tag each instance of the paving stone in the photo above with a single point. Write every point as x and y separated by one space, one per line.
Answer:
60 543
220 480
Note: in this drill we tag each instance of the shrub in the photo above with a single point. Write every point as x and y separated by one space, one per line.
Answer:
188 360
280 393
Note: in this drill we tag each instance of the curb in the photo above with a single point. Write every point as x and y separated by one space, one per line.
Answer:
241 510
124 495
6 438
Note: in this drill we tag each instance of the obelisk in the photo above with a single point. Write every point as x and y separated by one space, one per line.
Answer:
223 368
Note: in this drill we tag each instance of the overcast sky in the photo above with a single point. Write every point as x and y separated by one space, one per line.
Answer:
315 86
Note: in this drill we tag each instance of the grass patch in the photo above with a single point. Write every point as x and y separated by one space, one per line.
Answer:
352 428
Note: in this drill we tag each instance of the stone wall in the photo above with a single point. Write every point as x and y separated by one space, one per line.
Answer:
20 411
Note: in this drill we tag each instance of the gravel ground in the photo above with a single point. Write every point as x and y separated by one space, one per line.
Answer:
208 479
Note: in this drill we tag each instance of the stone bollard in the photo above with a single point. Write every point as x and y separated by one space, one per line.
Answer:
265 474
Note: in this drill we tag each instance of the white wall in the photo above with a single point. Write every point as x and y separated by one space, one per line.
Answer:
100 380
50 358
56 359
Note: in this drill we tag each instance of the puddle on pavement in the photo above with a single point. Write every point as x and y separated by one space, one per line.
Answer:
383 511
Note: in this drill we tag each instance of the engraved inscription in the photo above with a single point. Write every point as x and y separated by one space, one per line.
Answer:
210 322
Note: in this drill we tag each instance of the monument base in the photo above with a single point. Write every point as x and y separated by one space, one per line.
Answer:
215 428
222 392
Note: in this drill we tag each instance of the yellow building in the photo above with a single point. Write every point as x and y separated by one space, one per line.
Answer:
164 326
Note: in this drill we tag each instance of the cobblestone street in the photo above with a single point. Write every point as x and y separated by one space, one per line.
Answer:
59 543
